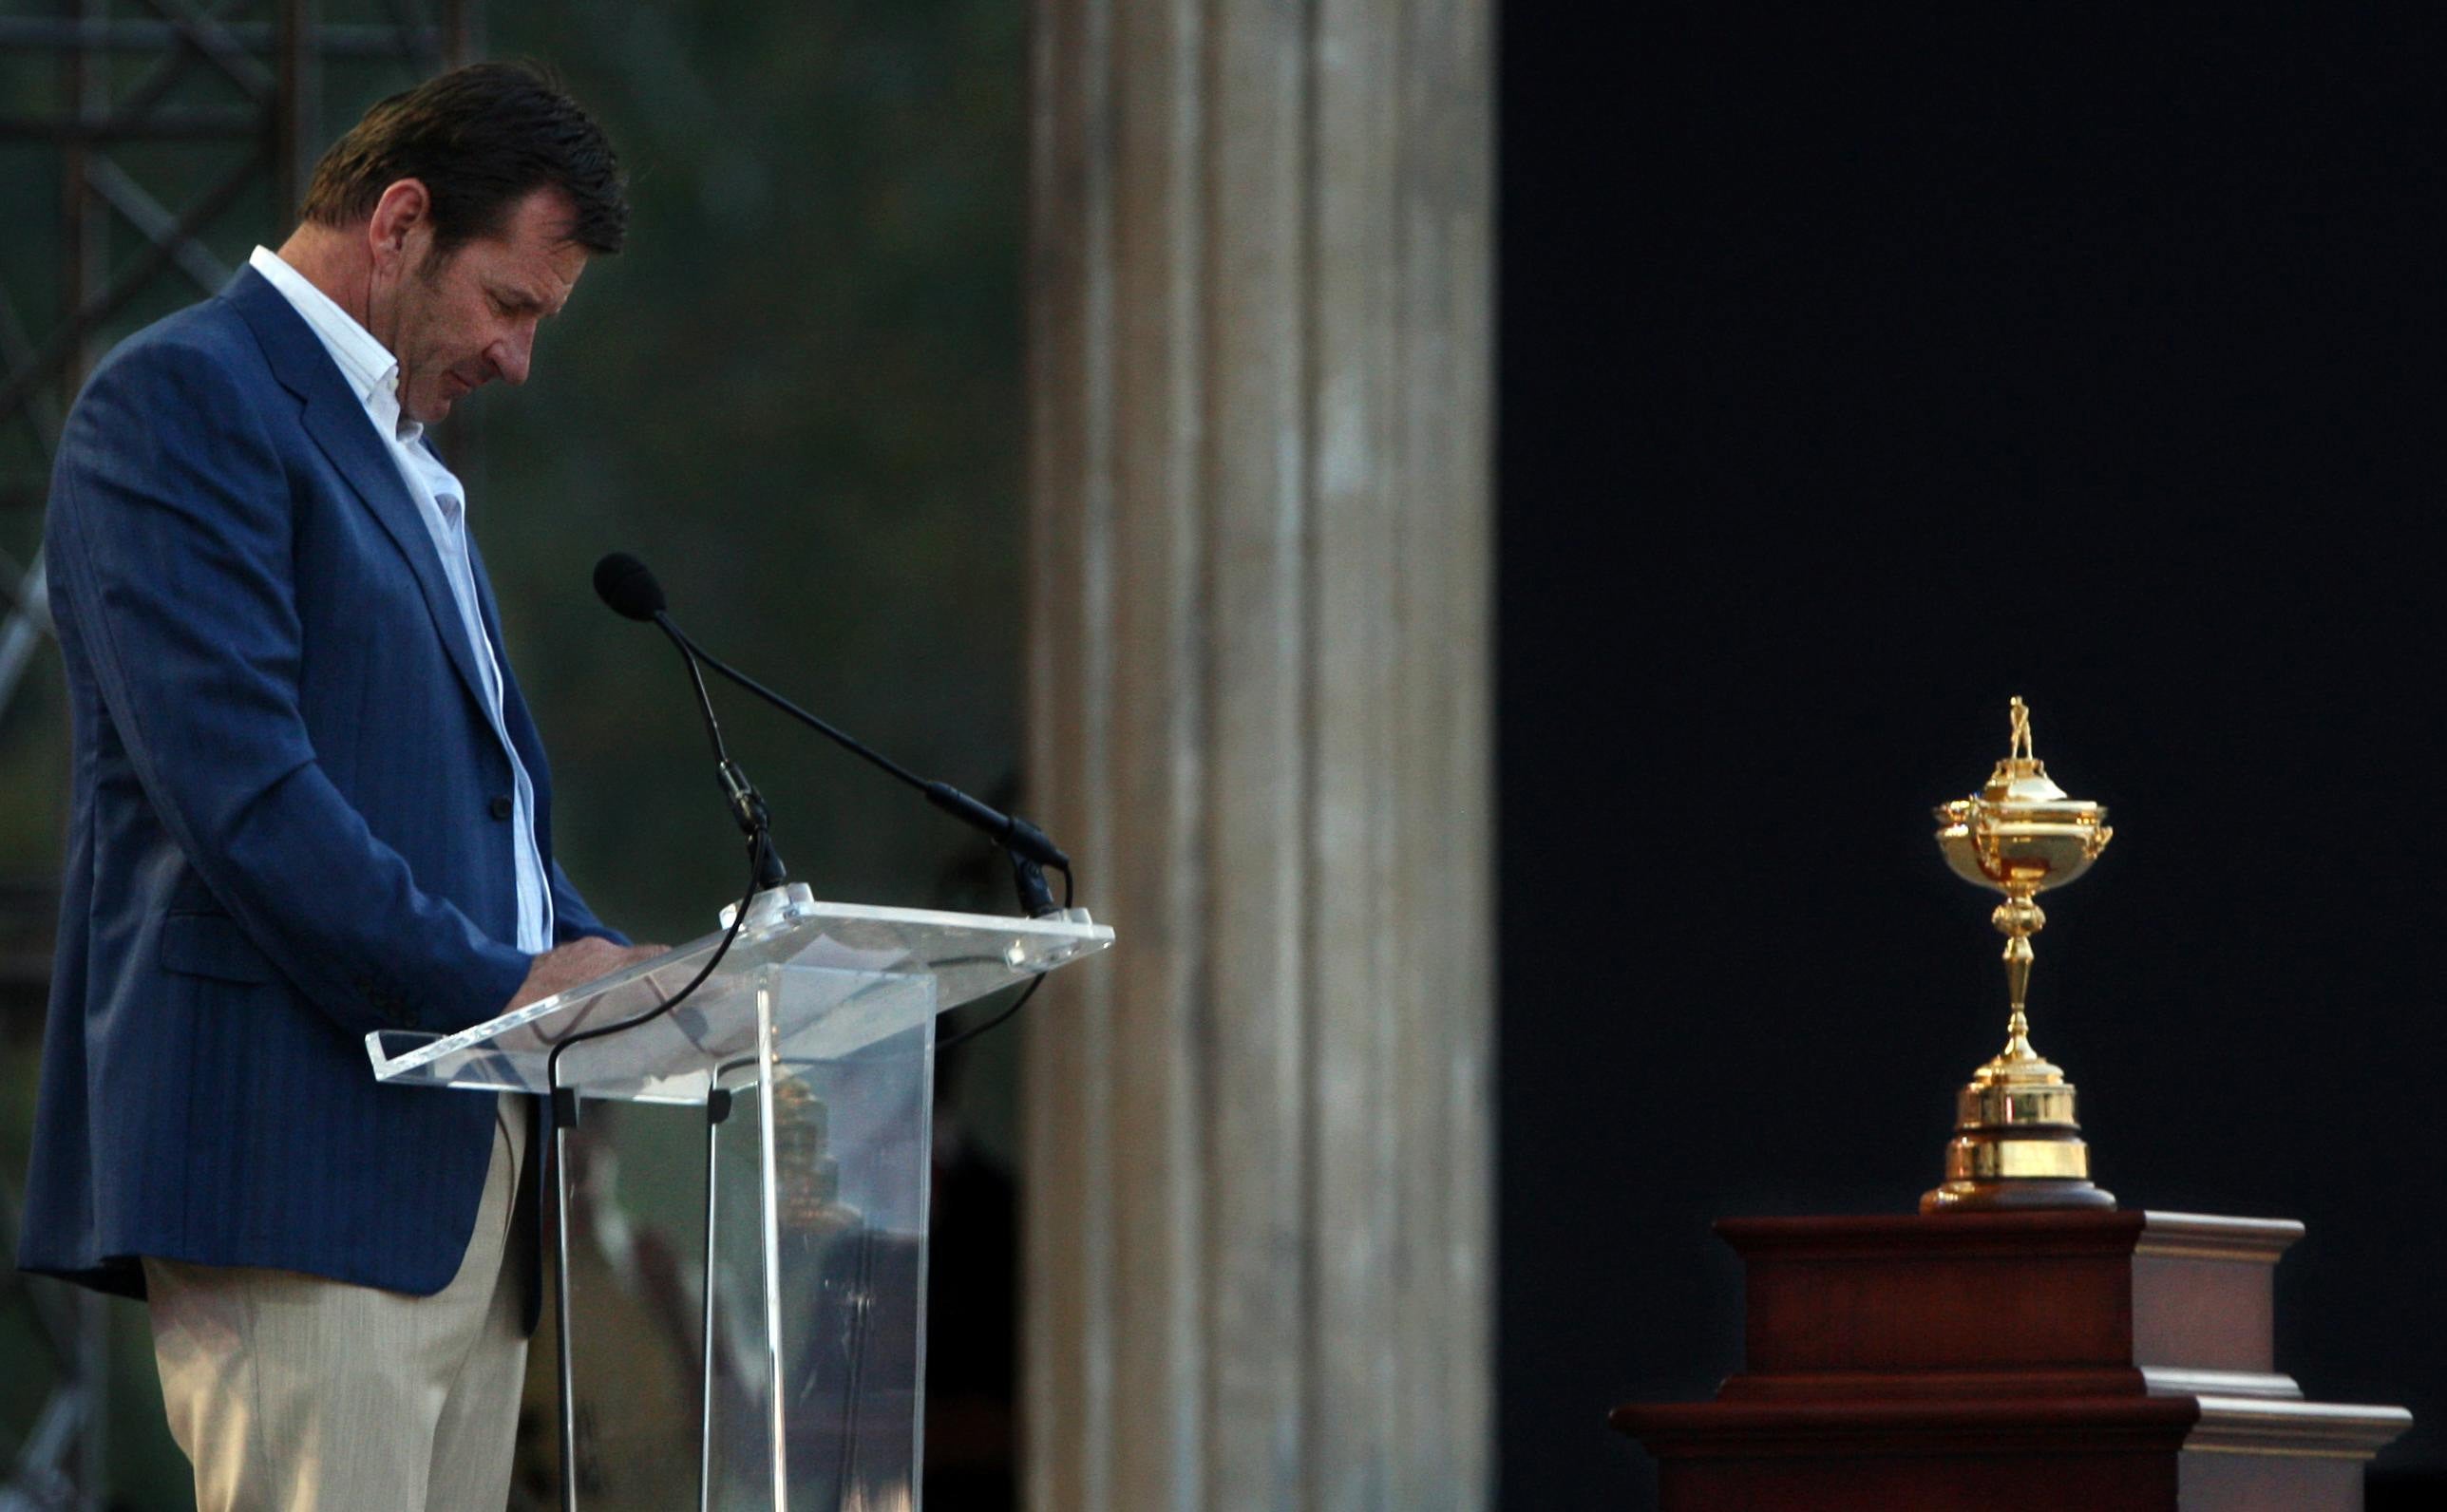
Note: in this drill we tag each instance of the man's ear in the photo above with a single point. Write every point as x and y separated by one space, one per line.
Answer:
401 216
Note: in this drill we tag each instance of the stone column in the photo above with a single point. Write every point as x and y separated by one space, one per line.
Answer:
1259 1139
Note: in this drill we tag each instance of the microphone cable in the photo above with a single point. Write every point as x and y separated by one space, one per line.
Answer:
955 1041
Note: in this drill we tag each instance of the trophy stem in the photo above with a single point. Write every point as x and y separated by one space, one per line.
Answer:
2017 918
2018 986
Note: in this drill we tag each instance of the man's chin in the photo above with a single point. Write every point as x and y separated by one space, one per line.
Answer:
446 392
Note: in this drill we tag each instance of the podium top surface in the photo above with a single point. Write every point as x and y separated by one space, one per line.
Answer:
851 975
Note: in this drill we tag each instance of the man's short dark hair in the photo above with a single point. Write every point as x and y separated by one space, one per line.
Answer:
480 139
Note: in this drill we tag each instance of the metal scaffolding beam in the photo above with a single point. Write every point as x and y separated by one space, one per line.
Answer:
241 81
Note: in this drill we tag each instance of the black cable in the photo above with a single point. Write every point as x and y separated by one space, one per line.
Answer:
552 1062
996 1022
1022 1001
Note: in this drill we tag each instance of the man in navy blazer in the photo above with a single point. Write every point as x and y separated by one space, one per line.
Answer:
309 803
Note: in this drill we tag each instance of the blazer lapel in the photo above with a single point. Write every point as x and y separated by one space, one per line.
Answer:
337 421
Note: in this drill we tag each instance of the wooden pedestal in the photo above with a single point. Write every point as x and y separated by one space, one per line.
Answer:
2075 1360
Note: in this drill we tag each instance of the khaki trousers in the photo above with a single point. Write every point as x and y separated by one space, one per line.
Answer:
295 1394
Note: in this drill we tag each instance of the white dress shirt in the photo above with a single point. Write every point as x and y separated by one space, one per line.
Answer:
373 372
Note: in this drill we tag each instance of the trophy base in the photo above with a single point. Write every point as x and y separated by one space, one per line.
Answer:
2013 1194
2017 1145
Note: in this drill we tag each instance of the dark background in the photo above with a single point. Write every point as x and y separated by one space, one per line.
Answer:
1855 378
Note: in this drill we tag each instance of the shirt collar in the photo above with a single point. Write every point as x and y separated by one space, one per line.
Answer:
373 372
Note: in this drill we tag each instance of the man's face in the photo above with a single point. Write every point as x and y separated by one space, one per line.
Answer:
458 323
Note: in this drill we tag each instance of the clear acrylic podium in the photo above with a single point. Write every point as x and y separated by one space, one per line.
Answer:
811 1048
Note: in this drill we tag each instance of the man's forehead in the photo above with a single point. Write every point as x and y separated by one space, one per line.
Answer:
545 217
535 248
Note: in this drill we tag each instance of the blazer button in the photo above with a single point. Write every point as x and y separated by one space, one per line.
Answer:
501 807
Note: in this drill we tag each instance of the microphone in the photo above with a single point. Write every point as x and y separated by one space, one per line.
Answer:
629 588
623 582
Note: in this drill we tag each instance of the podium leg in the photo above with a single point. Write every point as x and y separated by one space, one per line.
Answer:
560 1292
718 1107
768 1068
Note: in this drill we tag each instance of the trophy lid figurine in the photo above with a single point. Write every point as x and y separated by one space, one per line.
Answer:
2015 1142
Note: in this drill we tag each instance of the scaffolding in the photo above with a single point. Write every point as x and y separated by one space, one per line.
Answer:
133 133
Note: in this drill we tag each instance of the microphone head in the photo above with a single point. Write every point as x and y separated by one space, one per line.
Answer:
624 584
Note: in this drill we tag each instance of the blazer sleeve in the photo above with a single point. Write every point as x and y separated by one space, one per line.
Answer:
170 535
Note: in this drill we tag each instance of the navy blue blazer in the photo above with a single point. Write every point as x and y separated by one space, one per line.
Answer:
290 826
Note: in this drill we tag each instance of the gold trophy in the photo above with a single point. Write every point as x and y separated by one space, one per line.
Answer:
2015 1142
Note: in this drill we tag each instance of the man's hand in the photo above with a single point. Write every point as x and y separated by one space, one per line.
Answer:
564 967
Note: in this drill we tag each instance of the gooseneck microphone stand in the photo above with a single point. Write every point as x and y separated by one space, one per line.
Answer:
627 586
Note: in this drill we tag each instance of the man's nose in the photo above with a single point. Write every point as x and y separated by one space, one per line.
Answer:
511 354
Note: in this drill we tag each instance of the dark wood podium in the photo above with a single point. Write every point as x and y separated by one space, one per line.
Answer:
2062 1361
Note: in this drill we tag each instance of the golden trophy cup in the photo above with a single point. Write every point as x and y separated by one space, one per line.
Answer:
2016 1142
